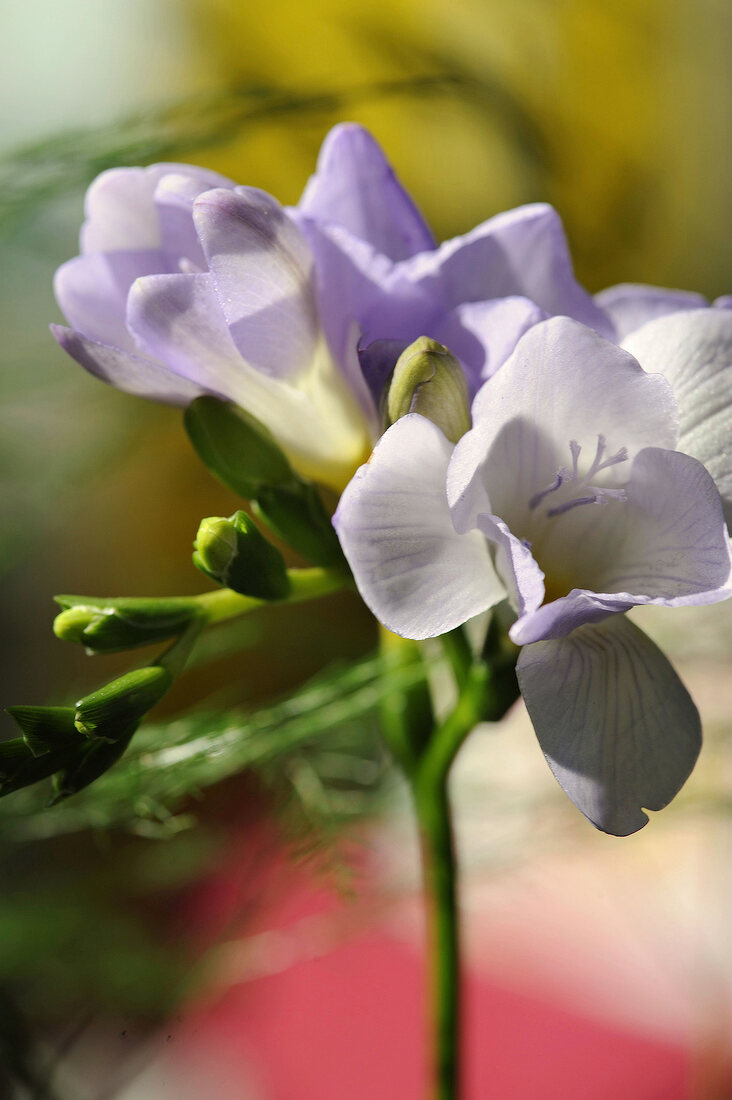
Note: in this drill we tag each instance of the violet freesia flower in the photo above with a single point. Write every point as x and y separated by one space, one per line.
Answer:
188 284
569 497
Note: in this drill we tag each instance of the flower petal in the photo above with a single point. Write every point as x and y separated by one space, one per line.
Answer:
119 207
521 252
129 373
630 305
416 574
667 544
263 274
563 383
355 186
694 351
174 198
484 334
177 318
618 728
92 292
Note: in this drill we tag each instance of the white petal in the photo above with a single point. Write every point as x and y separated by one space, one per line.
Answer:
418 576
563 383
615 723
694 351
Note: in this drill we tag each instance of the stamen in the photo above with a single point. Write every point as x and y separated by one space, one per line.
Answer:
597 496
575 450
538 497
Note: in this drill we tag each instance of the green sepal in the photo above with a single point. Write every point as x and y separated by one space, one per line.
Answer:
236 447
109 712
46 728
244 455
299 518
234 553
92 760
110 625
429 380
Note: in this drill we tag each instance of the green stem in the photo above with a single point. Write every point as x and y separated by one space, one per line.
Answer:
439 870
305 584
429 783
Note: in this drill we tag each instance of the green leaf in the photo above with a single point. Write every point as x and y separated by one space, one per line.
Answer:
298 517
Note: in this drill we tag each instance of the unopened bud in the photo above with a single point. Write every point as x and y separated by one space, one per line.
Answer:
109 625
109 712
49 742
429 380
235 553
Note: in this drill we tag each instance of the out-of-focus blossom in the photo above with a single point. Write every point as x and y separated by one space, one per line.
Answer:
188 284
569 496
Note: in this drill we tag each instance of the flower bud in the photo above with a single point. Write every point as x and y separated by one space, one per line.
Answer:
429 380
109 712
49 742
109 625
234 553
93 759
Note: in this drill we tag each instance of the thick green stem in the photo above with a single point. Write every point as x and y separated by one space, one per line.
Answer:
429 783
305 584
439 870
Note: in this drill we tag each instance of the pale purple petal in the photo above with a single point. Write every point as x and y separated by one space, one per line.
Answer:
723 302
630 305
177 319
263 274
694 351
120 211
562 384
666 544
356 282
616 725
483 334
92 292
174 198
129 373
418 576
355 187
522 252
377 362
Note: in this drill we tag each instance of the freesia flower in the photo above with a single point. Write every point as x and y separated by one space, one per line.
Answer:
188 284
569 496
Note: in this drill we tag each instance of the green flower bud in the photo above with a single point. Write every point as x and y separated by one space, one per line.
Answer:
46 728
235 447
109 712
50 741
299 517
234 553
429 380
109 625
93 759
